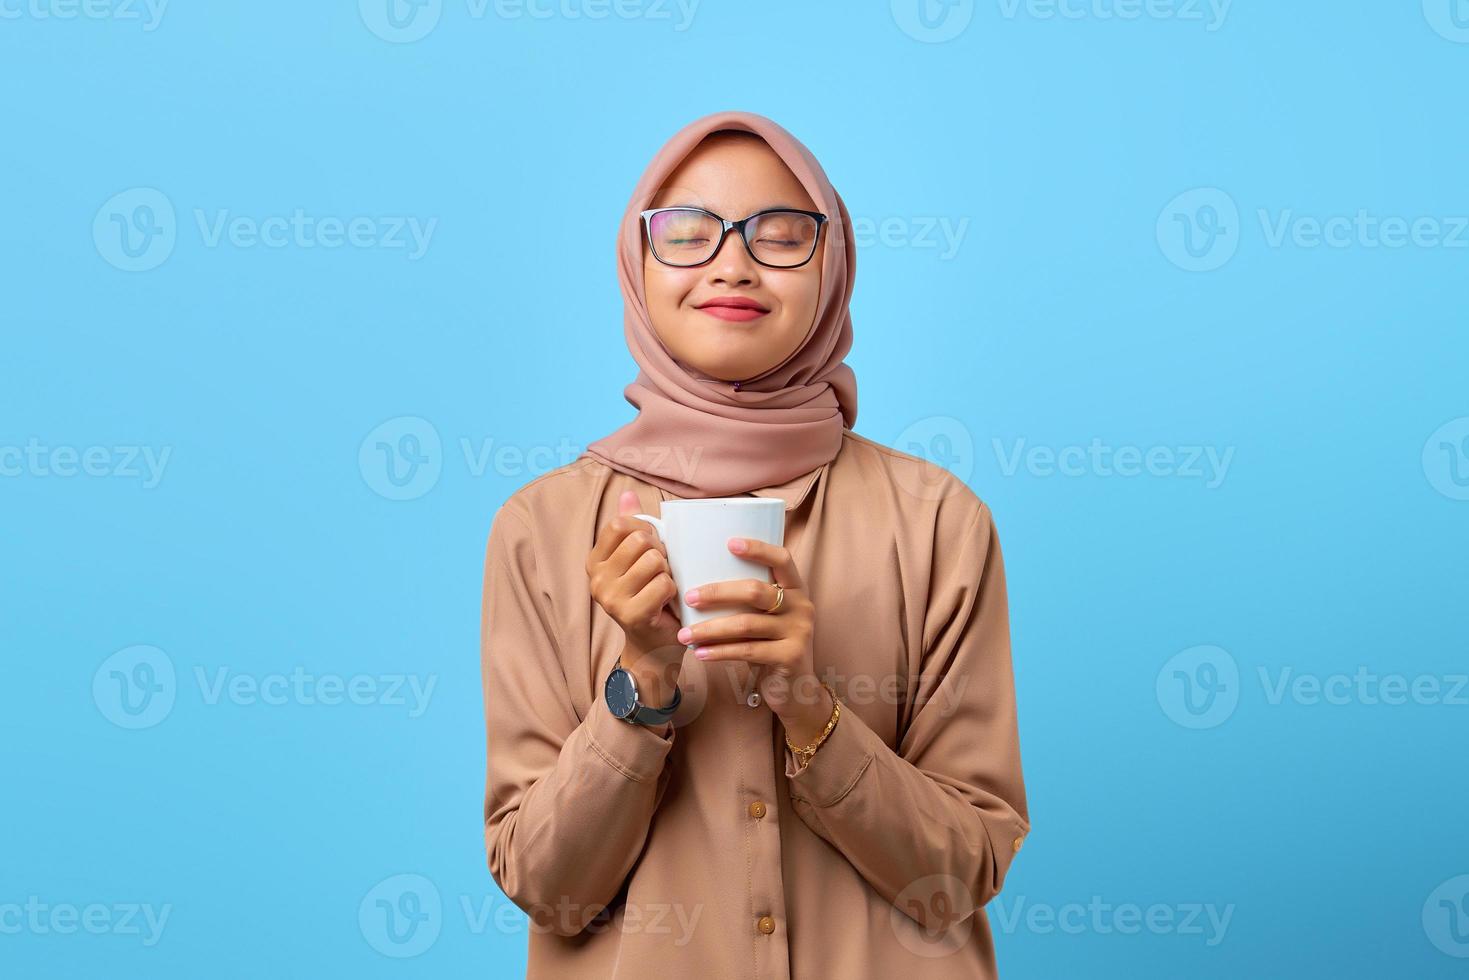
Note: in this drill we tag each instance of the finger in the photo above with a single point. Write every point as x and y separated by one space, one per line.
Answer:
737 626
777 558
637 543
757 653
611 536
648 566
652 597
737 592
616 530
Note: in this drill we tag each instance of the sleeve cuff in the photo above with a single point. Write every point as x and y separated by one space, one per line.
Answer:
837 765
636 751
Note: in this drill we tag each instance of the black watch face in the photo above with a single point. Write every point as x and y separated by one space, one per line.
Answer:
621 693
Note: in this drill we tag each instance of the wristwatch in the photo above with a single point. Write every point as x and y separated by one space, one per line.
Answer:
621 691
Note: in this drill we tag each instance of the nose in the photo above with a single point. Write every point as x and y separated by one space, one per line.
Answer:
732 265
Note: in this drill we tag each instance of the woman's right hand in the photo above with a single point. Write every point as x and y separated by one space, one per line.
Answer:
630 579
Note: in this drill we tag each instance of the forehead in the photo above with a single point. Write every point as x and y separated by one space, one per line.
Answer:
733 176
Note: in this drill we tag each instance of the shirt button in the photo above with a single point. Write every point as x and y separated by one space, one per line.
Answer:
757 809
754 699
766 924
1015 844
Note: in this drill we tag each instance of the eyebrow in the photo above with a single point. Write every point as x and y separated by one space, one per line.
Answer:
779 205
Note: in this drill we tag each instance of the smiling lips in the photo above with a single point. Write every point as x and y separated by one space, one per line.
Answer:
733 308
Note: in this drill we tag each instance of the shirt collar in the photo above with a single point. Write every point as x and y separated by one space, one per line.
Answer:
793 492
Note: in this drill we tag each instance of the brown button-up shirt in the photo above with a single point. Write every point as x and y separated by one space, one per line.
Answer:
699 848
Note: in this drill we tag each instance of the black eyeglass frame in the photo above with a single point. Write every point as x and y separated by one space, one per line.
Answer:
727 226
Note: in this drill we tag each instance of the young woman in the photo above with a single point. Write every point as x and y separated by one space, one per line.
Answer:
822 781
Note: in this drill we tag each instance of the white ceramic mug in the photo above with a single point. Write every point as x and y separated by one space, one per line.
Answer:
696 534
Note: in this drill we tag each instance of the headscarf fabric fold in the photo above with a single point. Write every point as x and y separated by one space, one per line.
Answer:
697 436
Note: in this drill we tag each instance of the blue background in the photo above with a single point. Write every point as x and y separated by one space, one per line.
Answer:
1073 310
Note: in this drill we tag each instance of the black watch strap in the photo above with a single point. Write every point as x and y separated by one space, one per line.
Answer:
646 714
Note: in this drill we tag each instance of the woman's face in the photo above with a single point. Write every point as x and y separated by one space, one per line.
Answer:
733 176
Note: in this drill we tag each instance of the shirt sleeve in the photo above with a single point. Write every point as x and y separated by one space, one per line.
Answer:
568 800
934 826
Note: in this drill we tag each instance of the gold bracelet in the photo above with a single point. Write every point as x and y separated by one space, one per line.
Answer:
803 756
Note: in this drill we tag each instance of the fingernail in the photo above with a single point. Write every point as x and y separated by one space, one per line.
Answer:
692 597
736 544
701 652
685 635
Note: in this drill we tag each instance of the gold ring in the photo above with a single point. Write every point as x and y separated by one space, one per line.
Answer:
780 596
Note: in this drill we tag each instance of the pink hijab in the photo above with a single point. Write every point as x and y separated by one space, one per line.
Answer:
697 436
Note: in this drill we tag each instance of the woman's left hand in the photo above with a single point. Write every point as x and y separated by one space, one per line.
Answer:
782 642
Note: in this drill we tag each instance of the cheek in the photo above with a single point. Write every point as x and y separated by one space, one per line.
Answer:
664 293
800 299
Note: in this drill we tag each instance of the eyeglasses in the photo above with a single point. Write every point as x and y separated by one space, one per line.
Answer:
780 238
